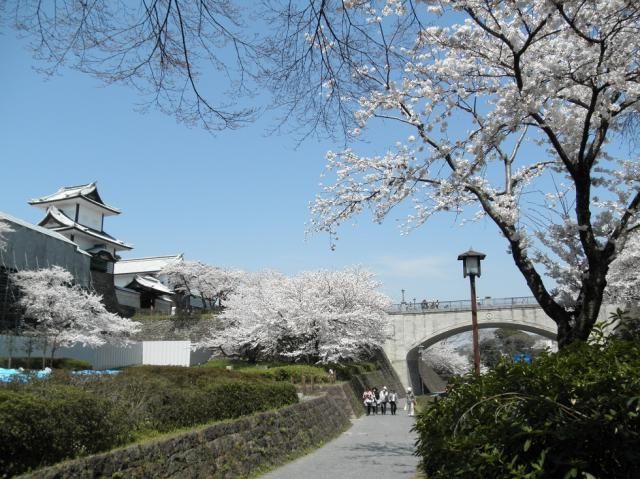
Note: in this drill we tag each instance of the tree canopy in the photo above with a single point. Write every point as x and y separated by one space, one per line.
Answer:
64 314
211 283
513 112
509 111
319 316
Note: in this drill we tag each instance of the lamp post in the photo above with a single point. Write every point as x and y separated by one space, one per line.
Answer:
471 267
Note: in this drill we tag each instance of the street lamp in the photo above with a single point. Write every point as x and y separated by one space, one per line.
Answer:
471 267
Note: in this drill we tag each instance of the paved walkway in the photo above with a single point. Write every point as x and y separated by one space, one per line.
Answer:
374 446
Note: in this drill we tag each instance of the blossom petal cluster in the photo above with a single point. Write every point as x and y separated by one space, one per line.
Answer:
517 112
321 316
65 314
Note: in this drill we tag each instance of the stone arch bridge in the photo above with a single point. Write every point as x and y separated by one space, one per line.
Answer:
417 326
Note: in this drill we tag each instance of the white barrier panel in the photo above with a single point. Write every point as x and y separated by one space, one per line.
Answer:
166 353
107 356
159 353
103 357
18 346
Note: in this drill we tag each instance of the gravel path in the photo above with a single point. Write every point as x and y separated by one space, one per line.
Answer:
375 446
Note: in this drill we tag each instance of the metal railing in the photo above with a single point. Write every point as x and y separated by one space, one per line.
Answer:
462 305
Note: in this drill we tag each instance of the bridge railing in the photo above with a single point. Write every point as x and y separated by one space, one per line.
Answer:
462 305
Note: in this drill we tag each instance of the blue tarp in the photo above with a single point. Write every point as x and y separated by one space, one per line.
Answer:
8 375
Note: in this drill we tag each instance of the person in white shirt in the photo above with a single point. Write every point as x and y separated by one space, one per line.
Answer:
411 402
384 398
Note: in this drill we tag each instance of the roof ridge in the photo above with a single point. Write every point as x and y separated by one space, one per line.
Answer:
152 257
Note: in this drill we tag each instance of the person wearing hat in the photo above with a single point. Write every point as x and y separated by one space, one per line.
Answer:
384 398
411 402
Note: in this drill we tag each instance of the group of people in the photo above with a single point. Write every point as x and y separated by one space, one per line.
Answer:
372 398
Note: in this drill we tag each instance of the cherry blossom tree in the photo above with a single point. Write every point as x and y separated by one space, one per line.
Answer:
446 360
623 282
319 316
64 314
211 283
512 111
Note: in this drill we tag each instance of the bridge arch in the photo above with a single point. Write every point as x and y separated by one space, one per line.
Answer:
415 328
417 374
415 325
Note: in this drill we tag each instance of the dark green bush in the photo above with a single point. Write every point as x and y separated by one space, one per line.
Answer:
182 407
163 398
290 372
63 417
571 414
69 364
39 429
345 371
181 376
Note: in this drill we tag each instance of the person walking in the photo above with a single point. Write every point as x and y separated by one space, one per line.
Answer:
411 402
393 401
367 399
376 400
384 398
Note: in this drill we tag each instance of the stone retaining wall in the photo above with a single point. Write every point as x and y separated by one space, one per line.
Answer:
226 450
174 329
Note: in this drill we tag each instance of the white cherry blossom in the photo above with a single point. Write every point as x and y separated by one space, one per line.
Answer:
64 314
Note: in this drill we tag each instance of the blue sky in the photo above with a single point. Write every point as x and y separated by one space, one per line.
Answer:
238 199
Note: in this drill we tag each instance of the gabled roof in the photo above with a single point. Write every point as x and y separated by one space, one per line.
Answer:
64 223
148 283
39 229
87 192
151 264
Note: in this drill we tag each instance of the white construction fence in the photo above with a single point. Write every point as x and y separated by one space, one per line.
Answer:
160 353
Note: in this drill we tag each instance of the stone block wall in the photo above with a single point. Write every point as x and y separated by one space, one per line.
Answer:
228 450
174 329
343 395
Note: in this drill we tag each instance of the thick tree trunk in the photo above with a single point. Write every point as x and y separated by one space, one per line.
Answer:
574 324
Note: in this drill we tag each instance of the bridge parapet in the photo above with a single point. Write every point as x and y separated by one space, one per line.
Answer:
462 305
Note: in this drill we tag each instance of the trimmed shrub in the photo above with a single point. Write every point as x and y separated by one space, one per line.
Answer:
39 429
291 373
163 398
178 407
345 371
69 364
574 414
50 420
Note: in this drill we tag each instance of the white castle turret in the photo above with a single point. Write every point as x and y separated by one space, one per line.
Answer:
78 212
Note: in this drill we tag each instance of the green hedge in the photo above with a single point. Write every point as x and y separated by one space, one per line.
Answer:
294 372
345 371
42 426
163 398
574 414
214 402
63 417
69 364
291 373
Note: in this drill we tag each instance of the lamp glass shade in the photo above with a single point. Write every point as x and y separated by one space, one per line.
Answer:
471 266
471 262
